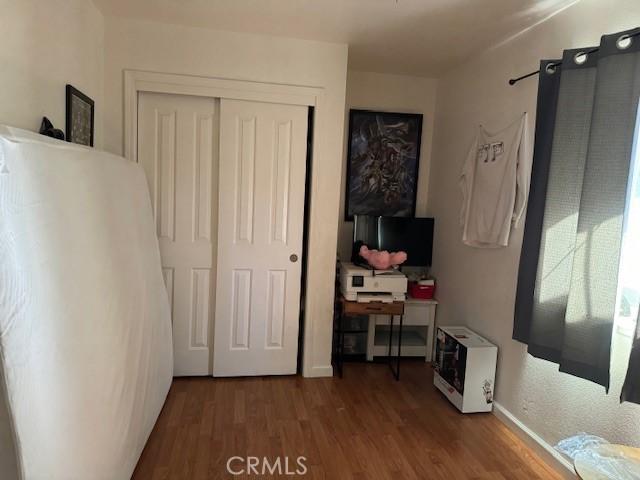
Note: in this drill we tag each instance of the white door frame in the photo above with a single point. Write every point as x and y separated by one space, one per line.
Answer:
136 81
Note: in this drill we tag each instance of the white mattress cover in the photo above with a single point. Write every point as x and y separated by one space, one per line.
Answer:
85 329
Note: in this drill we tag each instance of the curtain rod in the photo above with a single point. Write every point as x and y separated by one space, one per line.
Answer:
513 81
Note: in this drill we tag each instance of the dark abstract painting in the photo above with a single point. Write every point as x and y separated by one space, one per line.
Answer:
382 163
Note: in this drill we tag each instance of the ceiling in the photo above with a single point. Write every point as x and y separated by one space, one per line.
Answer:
415 37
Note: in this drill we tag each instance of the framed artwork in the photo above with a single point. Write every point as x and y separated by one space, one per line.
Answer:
80 117
382 163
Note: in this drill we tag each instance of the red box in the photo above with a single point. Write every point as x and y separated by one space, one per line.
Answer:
423 292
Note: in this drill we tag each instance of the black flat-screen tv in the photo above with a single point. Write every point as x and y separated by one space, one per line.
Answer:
412 235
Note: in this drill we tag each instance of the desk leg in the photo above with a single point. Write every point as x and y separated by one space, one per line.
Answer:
430 335
390 341
338 338
399 347
340 342
396 372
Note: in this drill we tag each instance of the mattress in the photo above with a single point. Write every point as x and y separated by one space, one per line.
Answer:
85 332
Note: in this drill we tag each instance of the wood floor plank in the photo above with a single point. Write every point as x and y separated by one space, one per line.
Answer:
363 426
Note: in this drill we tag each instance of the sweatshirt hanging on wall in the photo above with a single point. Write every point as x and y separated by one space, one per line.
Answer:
495 185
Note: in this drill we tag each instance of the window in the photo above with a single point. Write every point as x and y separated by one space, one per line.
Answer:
629 275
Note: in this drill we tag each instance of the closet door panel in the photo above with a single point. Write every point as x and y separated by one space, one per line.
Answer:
178 149
263 150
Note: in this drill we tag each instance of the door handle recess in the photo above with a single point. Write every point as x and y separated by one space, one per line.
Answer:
293 257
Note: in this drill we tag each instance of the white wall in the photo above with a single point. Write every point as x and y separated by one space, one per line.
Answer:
44 46
391 93
139 45
477 287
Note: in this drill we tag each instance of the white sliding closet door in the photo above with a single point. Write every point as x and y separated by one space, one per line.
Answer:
262 180
178 149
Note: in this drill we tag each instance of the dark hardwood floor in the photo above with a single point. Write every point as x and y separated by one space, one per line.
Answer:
364 426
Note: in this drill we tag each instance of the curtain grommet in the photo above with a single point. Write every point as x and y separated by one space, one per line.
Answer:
623 42
580 58
551 68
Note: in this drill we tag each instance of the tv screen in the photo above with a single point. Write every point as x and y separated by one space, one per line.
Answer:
412 235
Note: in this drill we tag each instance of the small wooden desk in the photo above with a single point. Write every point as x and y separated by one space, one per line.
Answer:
345 308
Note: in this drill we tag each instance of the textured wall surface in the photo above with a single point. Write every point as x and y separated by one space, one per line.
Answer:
477 287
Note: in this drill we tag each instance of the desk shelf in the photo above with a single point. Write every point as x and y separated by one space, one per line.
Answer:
414 342
417 335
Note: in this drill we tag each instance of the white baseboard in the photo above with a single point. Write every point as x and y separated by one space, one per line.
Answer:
549 455
318 371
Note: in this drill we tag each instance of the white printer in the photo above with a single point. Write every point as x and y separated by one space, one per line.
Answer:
367 285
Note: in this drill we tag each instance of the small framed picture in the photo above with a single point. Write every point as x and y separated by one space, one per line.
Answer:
80 117
382 163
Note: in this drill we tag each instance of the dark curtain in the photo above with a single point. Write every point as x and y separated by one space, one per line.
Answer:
548 86
574 235
560 209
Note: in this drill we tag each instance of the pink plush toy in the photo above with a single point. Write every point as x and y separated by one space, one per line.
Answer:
382 260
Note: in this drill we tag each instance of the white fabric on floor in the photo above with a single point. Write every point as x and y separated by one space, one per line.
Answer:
85 329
